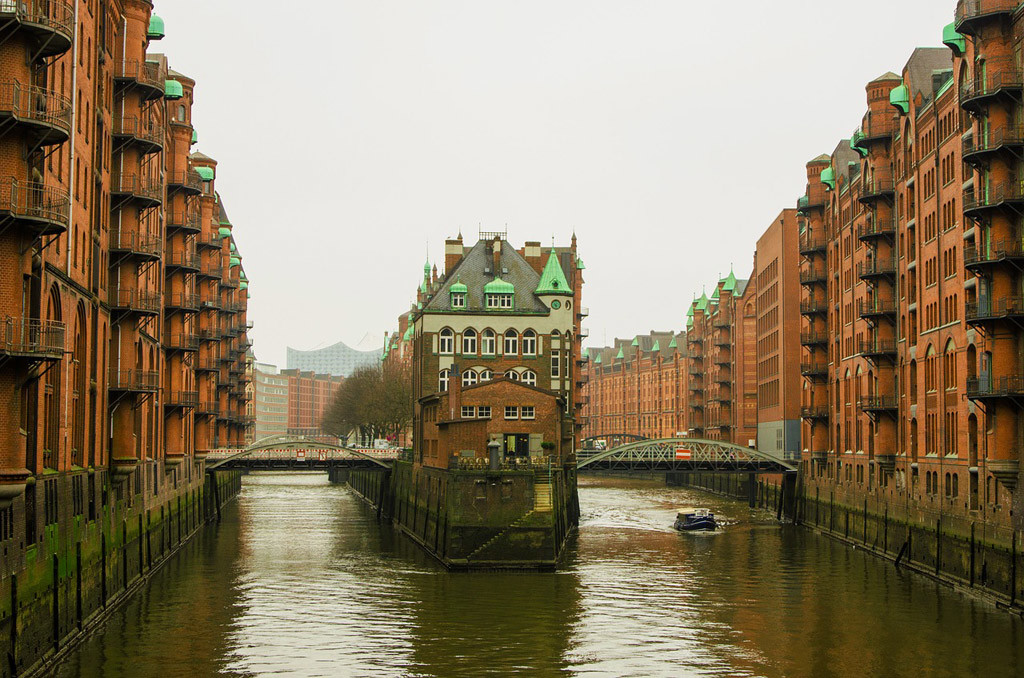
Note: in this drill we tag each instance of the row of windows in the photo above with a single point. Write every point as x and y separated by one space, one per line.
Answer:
486 341
471 377
526 412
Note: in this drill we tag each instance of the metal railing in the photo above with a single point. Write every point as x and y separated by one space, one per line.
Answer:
879 127
973 9
144 72
134 380
814 412
56 14
876 307
26 102
182 399
876 187
877 267
878 227
182 342
1000 251
1001 307
134 300
810 276
877 402
185 300
136 243
135 185
32 336
187 220
131 126
35 200
813 338
875 346
813 306
1004 192
809 245
995 387
813 369
181 260
186 178
996 138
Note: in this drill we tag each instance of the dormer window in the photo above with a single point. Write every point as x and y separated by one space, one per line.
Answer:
501 301
458 300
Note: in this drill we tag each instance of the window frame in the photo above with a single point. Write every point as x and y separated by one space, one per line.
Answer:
527 417
529 343
512 410
444 378
469 341
446 341
510 339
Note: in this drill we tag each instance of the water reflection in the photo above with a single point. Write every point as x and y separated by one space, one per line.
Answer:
301 580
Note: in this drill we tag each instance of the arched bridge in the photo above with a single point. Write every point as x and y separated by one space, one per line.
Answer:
302 452
683 454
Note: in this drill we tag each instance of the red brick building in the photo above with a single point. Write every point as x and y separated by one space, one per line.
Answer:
309 396
122 297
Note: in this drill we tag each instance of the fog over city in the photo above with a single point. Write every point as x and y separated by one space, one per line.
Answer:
353 136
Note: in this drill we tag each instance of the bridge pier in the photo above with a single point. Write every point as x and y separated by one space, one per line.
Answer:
338 475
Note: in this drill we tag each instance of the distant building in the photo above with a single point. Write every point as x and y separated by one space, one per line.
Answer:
339 360
270 401
309 396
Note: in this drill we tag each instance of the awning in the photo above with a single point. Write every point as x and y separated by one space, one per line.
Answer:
173 90
205 173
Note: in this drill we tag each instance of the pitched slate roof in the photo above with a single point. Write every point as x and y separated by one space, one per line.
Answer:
472 272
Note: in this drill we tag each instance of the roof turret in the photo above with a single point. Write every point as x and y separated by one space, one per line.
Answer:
552 279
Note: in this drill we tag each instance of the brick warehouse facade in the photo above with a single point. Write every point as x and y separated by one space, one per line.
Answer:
122 297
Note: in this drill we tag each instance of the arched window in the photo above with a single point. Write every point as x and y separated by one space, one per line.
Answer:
469 342
442 380
949 365
487 342
512 375
78 390
956 485
529 342
511 342
51 393
447 341
529 378
486 375
470 377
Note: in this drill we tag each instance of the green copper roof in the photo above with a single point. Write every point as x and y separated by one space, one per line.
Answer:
689 311
702 303
730 282
423 286
828 177
802 203
156 28
900 98
244 285
426 267
234 261
499 286
459 287
584 354
673 344
620 355
173 90
597 360
552 280
636 342
953 40
855 143
224 232
714 295
656 347
195 137
232 248
579 264
205 173
408 334
241 276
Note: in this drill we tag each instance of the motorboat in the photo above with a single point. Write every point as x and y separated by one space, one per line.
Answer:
689 519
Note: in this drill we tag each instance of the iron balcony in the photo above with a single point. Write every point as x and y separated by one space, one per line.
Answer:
182 301
181 342
876 308
814 369
879 228
32 338
970 14
143 247
990 310
722 341
878 128
1009 194
147 137
182 399
207 364
877 268
812 245
721 321
50 23
978 150
212 242
873 348
145 76
134 301
188 181
38 207
185 221
817 412
878 404
813 307
206 407
1003 252
187 261
993 388
43 114
880 188
142 190
813 339
142 381
814 275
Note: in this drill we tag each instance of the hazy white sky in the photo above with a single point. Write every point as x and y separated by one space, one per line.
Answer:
667 133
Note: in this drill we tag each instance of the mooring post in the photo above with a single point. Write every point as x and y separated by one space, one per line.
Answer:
752 489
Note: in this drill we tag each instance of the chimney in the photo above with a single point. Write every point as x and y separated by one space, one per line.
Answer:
453 252
533 255
455 393
496 253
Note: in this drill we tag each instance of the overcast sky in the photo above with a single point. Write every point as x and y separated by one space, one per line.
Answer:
668 134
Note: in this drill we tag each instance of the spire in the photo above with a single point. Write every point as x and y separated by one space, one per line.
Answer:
552 279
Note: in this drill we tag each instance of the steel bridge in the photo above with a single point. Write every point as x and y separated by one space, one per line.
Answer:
683 454
298 452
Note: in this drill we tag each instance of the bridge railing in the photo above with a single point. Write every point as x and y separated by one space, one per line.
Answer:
310 454
675 453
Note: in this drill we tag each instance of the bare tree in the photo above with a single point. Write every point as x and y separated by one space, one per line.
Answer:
375 402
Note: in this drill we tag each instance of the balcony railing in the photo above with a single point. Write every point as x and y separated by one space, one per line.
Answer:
1007 386
138 187
147 74
811 245
136 243
814 412
876 307
1007 193
994 309
814 369
1003 137
874 348
879 228
189 221
149 135
32 338
134 300
875 188
878 127
186 179
186 260
181 342
813 338
813 276
49 110
182 300
970 11
813 307
182 399
56 17
1000 252
877 403
46 209
876 268
134 380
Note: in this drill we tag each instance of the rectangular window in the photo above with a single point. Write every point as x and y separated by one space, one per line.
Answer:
527 412
511 412
468 412
556 364
458 300
483 412
500 300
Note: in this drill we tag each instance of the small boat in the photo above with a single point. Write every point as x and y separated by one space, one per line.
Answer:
695 519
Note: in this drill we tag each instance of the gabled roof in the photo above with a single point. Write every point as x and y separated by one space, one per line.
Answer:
474 272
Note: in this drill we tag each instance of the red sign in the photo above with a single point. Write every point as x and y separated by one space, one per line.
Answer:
683 454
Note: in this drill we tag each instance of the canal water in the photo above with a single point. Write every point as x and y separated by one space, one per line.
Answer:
301 580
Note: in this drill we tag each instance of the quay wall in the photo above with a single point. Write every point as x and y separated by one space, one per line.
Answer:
973 556
476 519
55 590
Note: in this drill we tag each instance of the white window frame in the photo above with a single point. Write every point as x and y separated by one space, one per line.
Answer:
511 412
483 412
501 301
469 342
529 342
529 377
470 377
486 375
512 375
527 412
446 341
443 379
468 412
458 300
488 342
556 364
510 342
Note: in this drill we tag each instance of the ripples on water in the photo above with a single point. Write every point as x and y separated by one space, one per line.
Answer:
301 580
